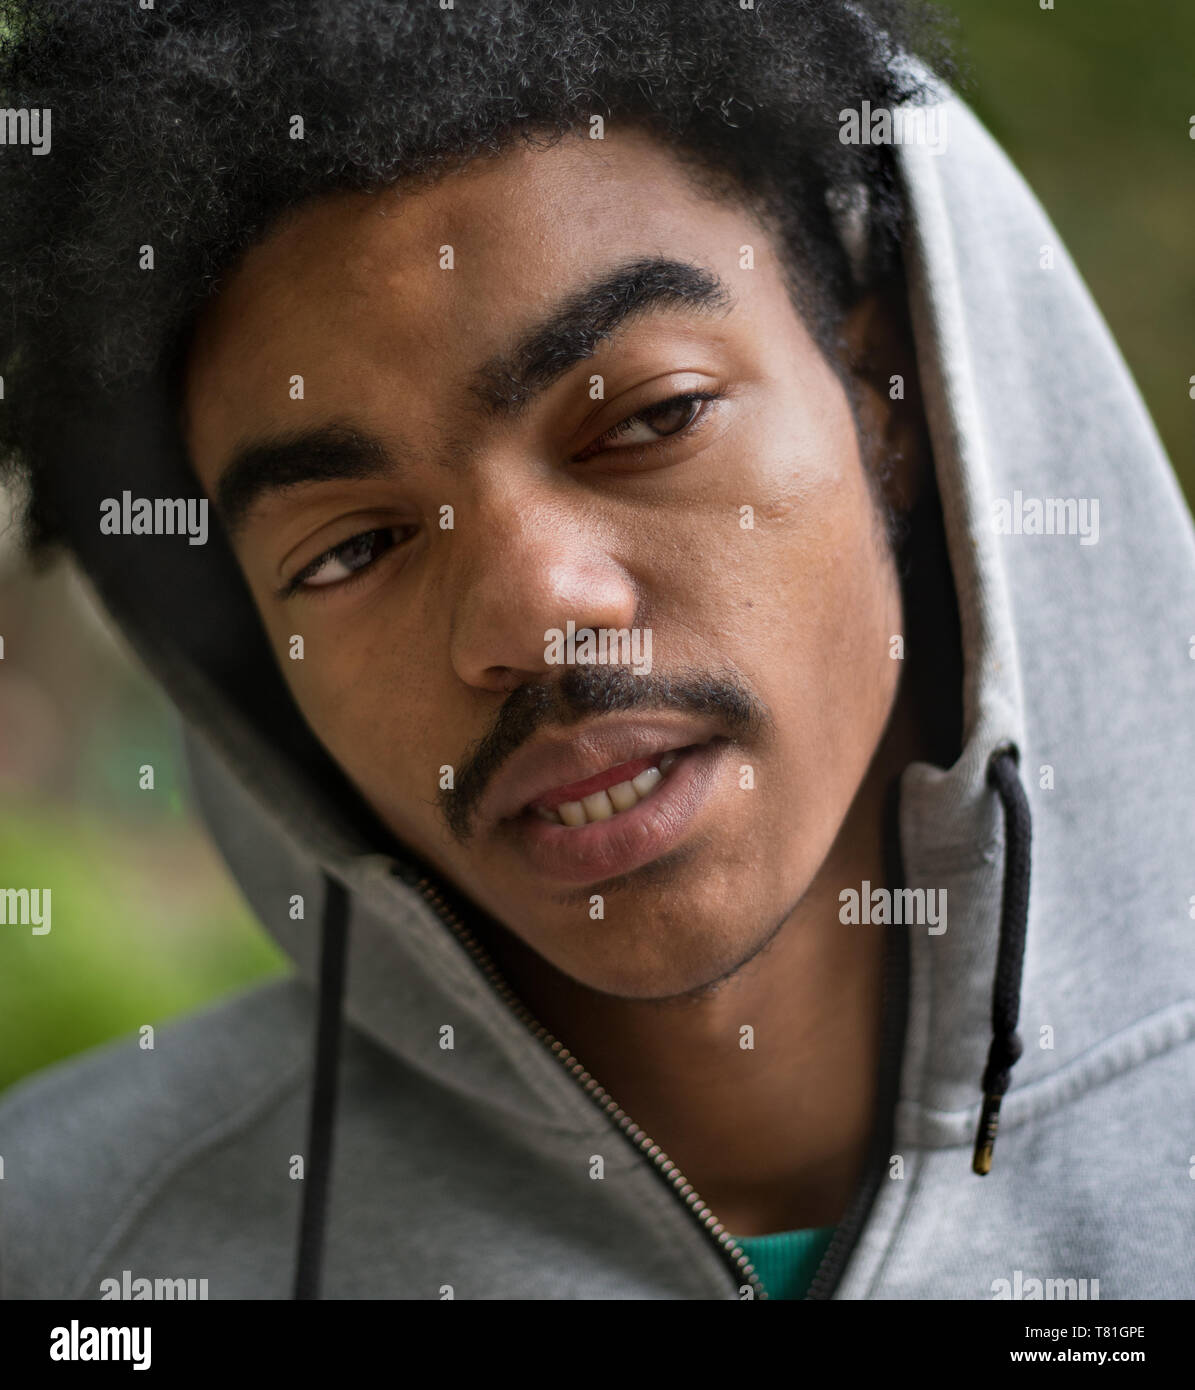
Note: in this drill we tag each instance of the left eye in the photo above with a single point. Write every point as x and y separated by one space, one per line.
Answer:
344 560
650 425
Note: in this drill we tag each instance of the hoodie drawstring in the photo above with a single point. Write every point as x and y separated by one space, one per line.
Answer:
1010 954
334 935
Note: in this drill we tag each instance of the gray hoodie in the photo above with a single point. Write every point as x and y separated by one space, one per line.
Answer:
447 1144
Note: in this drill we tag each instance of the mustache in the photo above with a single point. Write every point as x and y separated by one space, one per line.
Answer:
584 691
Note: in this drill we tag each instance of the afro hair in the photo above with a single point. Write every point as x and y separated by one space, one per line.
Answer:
192 125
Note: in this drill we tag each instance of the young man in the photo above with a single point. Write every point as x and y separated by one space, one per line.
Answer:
672 535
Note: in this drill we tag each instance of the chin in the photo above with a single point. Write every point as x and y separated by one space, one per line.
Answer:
684 963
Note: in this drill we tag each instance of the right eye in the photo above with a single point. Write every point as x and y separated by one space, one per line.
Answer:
345 560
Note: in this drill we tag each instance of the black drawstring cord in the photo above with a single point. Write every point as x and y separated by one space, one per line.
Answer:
334 937
1010 955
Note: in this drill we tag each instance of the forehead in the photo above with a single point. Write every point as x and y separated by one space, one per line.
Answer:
351 292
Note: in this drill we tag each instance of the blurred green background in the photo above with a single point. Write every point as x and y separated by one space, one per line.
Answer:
1094 102
1092 99
146 922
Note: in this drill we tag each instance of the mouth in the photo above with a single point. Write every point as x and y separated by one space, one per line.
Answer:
609 794
622 818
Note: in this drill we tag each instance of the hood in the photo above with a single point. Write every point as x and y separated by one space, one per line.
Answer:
1077 662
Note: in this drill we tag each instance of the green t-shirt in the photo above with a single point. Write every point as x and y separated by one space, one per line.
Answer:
787 1261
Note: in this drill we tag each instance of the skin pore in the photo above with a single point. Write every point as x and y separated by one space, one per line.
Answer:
720 900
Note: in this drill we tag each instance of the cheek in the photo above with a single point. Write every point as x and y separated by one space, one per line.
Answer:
811 605
796 583
365 693
843 679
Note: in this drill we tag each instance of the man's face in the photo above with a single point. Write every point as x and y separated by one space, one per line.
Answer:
495 451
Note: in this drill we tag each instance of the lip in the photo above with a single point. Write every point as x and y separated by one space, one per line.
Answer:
572 755
629 840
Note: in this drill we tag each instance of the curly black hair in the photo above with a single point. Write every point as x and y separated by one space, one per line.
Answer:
173 128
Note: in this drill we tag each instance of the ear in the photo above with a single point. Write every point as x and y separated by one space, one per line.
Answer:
880 359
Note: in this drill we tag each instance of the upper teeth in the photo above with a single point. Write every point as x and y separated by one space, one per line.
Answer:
604 804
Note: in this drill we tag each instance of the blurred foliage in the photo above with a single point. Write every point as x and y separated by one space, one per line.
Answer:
145 923
141 929
1093 101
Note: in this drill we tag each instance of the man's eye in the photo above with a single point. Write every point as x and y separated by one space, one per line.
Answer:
343 561
650 425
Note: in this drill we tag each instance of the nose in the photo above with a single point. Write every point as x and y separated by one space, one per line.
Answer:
529 568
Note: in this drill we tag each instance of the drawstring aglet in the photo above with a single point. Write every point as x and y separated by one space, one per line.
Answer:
985 1135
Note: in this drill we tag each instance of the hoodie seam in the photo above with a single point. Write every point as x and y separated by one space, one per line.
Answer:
985 613
909 1196
906 1210
177 1161
1075 1079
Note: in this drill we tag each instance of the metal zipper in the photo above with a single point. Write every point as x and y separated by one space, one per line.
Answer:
736 1257
846 1235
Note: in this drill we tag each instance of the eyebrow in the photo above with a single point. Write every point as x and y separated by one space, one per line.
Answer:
573 330
504 385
